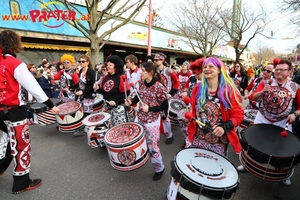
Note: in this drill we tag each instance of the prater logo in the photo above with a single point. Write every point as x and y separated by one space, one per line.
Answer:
52 14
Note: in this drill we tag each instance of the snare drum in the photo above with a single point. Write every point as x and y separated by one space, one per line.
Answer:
126 146
249 117
44 116
70 117
175 106
268 155
202 174
97 125
98 103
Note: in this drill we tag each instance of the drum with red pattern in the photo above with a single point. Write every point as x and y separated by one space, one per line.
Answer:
70 117
96 126
44 116
202 174
98 103
126 146
175 105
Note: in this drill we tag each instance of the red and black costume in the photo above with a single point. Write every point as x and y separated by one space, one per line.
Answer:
15 142
215 113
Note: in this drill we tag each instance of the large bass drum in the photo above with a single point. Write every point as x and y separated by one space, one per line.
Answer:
268 155
202 174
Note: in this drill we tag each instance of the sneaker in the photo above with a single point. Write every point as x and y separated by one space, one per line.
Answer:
158 175
169 140
241 168
287 182
34 184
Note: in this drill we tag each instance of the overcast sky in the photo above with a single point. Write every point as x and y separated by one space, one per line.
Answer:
280 24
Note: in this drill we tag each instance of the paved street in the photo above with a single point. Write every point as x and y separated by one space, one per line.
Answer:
70 169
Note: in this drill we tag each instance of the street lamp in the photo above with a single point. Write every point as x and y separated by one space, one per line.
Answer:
149 27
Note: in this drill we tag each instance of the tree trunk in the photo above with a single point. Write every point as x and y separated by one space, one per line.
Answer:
95 52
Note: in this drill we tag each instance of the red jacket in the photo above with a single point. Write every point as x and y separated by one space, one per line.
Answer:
235 114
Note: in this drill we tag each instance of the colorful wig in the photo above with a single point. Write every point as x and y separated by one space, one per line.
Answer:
225 88
67 57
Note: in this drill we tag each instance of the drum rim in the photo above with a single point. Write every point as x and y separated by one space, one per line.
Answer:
140 136
205 186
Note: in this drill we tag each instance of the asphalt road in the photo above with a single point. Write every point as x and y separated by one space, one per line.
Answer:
70 169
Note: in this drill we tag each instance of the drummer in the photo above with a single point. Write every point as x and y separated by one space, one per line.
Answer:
171 82
151 101
67 77
278 97
266 77
13 122
111 86
194 79
196 68
85 91
216 102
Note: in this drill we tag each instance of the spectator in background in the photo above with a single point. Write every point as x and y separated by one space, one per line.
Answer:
45 81
32 69
59 66
149 58
250 73
239 77
183 76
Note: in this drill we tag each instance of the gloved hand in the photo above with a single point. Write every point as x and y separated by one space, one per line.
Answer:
227 126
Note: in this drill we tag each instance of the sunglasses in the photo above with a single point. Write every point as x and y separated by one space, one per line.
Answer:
237 66
81 61
155 60
265 70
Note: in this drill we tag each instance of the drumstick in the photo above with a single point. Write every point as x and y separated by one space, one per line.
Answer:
189 116
138 96
96 76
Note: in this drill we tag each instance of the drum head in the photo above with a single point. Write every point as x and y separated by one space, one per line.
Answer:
123 134
38 108
204 167
96 119
267 139
69 108
176 105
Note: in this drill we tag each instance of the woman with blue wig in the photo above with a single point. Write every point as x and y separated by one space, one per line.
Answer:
216 102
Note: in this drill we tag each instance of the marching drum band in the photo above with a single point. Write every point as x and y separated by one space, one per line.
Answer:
127 112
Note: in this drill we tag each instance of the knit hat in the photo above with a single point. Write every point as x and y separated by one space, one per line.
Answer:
187 64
